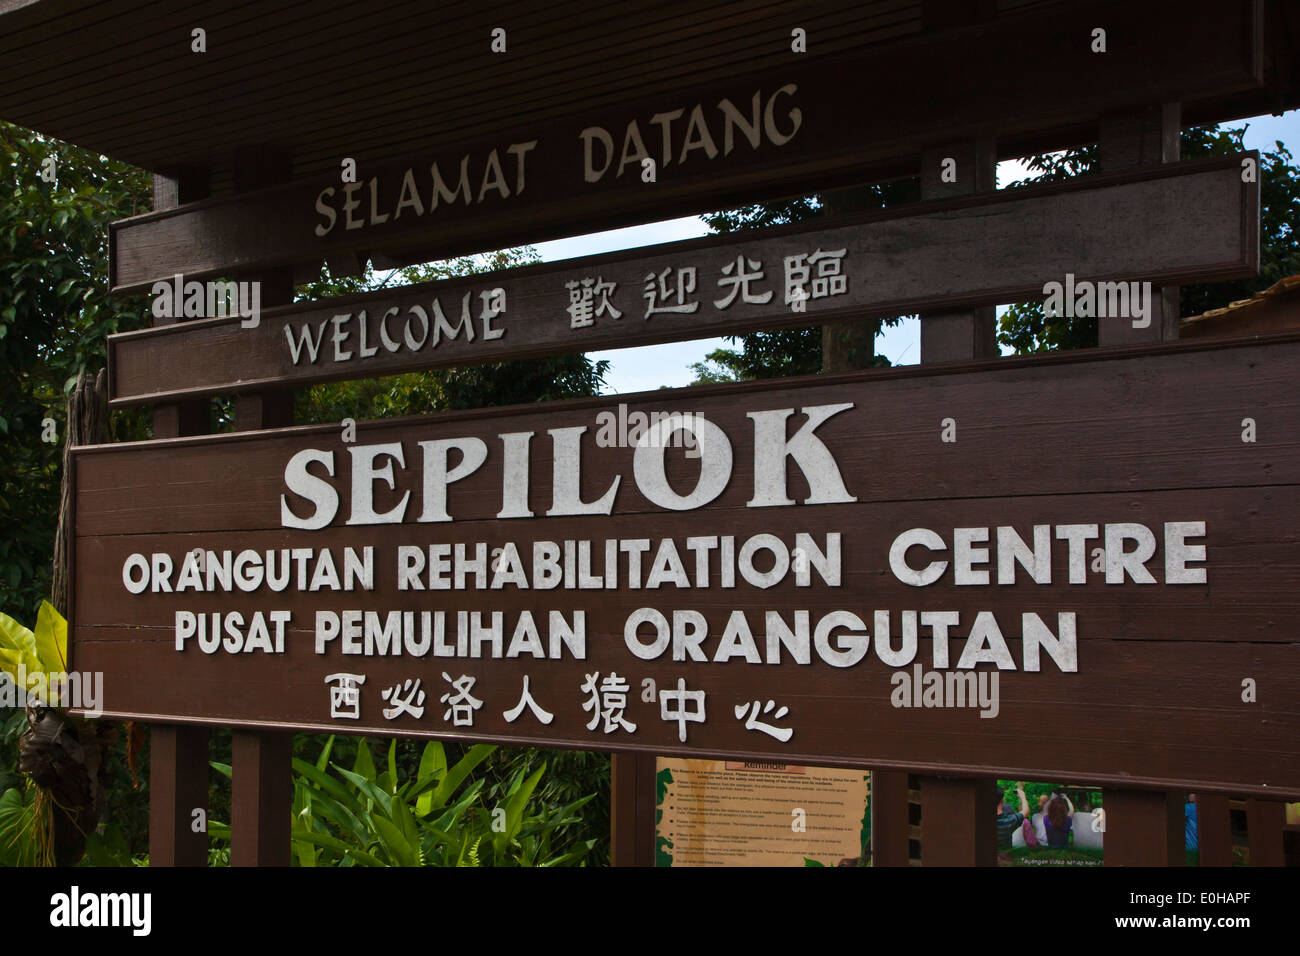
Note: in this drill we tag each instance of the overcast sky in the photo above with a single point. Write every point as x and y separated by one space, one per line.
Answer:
650 367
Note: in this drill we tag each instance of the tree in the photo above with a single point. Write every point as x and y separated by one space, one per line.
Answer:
55 314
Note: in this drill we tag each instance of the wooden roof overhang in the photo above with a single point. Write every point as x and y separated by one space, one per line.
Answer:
321 80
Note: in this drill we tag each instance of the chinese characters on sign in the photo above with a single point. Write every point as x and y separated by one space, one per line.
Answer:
607 702
808 276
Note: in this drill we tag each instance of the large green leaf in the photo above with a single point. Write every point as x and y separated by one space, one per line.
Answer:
326 783
368 788
17 848
402 851
388 780
365 763
457 774
361 856
18 639
433 763
323 760
51 638
515 811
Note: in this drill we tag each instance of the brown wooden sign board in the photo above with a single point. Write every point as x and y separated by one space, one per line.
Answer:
831 123
1150 555
1190 221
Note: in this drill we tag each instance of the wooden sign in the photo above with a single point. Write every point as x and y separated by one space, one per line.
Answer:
811 126
1079 567
1187 221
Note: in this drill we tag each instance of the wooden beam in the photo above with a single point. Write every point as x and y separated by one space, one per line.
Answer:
987 248
178 786
1144 828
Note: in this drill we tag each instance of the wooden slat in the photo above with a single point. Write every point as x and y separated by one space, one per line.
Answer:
958 816
972 333
178 779
1214 830
1135 138
261 798
276 227
1143 828
632 809
262 795
889 818
957 822
1264 819
189 417
989 249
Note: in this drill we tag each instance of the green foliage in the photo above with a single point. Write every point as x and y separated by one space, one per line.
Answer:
54 315
17 822
573 774
440 816
1024 327
762 355
41 654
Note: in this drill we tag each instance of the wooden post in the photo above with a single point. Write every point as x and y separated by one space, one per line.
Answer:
1146 136
889 818
1144 828
969 334
632 809
262 761
958 822
1213 830
261 801
191 417
178 756
1264 820
950 337
958 816
178 785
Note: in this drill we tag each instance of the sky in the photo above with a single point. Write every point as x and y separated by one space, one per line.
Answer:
654 366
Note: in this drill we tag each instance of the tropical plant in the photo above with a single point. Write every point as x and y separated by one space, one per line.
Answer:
51 819
438 817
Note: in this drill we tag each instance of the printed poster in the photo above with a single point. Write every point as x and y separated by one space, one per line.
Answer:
750 813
